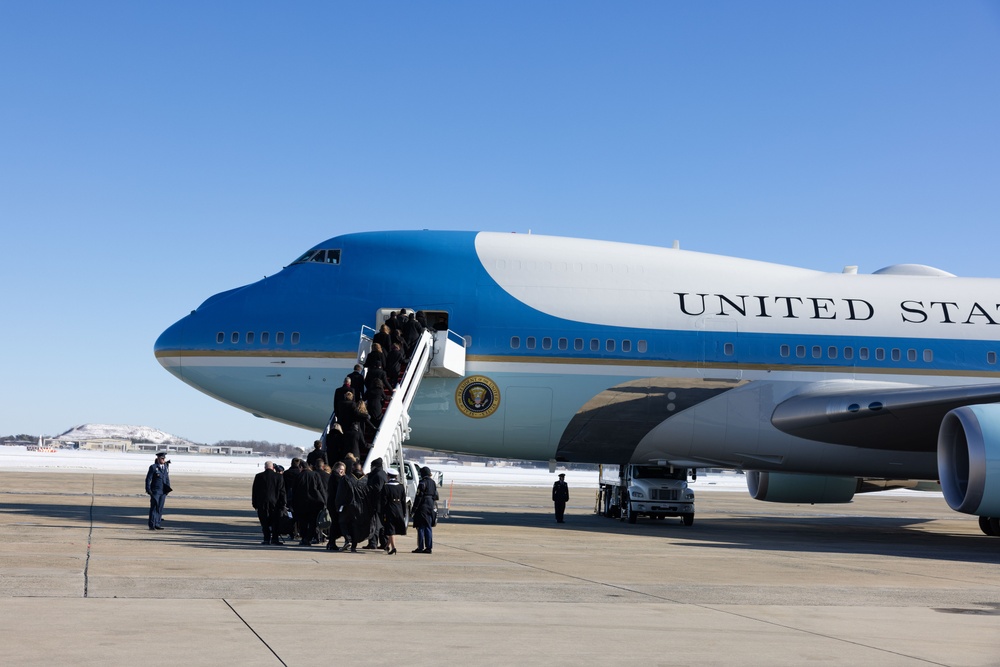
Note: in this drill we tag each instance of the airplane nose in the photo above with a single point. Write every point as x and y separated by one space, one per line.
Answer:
170 345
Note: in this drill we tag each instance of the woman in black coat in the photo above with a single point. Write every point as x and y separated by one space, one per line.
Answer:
393 510
424 509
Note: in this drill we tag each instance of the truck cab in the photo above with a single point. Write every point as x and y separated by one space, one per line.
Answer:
656 491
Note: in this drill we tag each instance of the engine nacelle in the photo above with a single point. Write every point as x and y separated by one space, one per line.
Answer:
785 487
968 455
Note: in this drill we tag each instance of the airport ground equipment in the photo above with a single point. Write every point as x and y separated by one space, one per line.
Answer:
656 491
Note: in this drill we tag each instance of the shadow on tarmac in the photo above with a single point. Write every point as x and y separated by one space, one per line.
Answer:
833 533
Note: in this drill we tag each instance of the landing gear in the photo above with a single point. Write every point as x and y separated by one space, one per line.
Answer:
990 525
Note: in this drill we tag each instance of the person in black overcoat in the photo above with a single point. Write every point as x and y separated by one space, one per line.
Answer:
360 516
357 383
383 338
376 481
310 498
394 360
424 509
332 494
268 498
345 507
393 510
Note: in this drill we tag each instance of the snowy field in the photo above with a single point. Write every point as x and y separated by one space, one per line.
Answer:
65 460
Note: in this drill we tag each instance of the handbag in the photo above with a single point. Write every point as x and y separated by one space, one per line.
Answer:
166 489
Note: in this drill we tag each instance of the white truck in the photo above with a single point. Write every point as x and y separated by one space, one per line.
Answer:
411 477
656 491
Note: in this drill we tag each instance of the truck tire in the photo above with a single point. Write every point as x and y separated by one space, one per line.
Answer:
630 516
688 519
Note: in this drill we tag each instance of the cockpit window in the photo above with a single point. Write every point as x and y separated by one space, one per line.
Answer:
329 256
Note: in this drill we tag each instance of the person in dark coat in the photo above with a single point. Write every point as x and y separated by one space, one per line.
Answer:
376 356
316 455
157 488
345 508
376 481
560 495
394 364
424 509
357 383
376 397
310 498
393 321
376 374
338 398
291 479
393 510
268 498
383 338
360 519
411 333
354 422
332 494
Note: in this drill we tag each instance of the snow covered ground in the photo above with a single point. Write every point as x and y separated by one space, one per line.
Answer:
65 460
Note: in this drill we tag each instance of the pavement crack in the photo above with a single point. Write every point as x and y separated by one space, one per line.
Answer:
90 537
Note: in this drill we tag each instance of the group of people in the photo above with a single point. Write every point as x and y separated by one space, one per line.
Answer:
327 503
359 403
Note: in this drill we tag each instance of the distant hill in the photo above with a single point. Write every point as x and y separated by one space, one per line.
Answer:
122 432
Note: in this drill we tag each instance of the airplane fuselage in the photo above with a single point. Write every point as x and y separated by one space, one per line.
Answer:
608 352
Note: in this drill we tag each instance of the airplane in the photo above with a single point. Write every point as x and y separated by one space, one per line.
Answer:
817 385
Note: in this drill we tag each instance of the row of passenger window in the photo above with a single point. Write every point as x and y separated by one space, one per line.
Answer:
249 337
579 344
864 353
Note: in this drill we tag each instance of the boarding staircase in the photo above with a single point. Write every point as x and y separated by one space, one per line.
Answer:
436 354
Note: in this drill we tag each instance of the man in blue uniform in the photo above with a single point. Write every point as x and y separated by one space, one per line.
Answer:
560 495
157 488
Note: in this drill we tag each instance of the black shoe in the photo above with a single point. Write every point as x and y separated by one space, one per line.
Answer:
157 527
417 551
391 551
265 541
354 550
277 543
345 548
369 546
427 551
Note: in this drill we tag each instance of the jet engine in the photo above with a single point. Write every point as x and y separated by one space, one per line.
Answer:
968 454
784 487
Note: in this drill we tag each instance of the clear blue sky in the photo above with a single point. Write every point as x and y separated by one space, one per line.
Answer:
153 154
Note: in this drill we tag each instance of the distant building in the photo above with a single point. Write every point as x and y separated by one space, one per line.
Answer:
107 444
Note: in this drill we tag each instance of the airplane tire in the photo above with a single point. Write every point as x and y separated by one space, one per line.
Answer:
995 525
688 519
985 525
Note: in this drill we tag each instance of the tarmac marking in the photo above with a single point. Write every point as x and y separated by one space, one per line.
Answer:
250 628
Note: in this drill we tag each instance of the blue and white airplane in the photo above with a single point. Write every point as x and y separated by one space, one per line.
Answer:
576 350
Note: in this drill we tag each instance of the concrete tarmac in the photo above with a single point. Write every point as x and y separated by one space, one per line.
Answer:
887 580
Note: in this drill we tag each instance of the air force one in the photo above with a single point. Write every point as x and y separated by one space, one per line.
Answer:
818 385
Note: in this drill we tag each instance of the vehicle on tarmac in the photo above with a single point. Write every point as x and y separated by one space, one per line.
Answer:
656 491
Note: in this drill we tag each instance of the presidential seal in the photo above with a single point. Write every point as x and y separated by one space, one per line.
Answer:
477 397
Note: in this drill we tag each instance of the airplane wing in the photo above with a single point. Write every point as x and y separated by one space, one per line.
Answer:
876 415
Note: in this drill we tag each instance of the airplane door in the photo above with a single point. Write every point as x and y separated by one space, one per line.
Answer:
527 422
719 358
